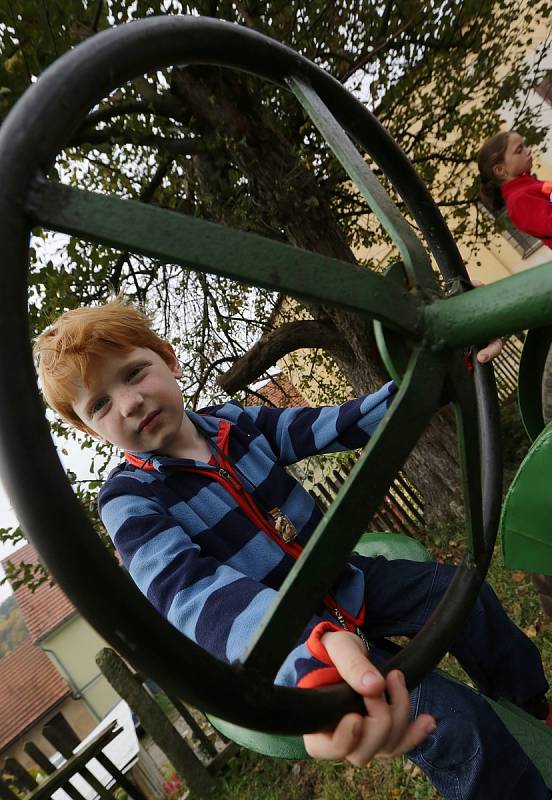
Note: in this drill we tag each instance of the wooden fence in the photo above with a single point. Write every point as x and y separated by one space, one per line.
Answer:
403 507
16 782
506 366
401 510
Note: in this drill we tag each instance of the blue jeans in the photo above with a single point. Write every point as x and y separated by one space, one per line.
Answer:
470 755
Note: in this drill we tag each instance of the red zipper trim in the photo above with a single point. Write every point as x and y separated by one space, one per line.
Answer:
141 463
247 504
234 486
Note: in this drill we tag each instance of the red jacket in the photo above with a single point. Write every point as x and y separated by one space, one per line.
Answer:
529 206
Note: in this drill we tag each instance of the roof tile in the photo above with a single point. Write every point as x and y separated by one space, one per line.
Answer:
278 391
44 609
30 686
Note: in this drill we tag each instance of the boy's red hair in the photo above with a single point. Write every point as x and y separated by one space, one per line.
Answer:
64 351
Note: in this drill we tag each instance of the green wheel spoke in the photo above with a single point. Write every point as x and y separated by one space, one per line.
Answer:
331 544
209 247
413 253
515 303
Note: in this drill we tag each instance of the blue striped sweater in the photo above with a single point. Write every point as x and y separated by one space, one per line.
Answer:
208 567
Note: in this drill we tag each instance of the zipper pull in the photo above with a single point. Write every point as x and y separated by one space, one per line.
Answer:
224 473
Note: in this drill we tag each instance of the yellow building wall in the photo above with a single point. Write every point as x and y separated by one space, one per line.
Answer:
72 649
77 715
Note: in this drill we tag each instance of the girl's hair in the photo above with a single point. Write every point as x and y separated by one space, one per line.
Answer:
491 154
64 352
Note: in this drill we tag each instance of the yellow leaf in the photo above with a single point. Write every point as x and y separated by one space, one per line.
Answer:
12 63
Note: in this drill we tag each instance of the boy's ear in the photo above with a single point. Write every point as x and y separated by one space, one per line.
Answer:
172 360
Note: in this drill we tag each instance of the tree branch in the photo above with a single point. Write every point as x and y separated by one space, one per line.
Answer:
96 16
276 344
379 48
145 196
117 110
174 145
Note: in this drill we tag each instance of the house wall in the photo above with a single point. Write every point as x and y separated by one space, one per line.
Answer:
77 714
72 649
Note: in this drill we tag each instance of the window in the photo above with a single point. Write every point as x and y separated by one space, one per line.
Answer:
544 89
524 243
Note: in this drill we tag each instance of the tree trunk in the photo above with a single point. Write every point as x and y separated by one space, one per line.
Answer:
294 203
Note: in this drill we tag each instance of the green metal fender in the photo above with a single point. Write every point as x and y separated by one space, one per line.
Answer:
526 523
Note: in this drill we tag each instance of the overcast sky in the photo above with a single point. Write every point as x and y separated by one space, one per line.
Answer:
7 518
76 460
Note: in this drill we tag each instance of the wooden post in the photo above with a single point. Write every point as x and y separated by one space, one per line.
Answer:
120 778
161 730
39 757
63 732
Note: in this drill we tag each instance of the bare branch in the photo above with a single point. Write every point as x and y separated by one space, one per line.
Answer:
276 344
116 110
97 15
116 135
379 48
145 196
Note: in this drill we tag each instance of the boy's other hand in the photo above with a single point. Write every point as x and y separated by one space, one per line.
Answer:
494 348
490 351
386 730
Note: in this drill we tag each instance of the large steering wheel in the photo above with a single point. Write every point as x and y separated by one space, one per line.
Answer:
40 124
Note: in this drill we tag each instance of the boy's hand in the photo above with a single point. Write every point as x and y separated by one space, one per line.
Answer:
386 730
493 349
490 351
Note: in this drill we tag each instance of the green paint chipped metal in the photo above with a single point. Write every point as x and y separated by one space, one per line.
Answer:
526 523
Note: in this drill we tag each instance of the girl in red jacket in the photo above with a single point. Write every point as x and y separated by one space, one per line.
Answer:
504 164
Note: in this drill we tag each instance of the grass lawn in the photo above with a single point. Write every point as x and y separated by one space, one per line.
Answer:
252 777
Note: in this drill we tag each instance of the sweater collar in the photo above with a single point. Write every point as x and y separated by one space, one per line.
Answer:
156 462
515 184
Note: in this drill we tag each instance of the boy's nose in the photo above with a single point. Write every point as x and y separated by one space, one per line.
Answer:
130 403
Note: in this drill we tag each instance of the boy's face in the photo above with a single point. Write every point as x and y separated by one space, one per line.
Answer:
134 402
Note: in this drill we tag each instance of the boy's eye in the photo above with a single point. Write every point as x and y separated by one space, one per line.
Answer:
98 405
134 372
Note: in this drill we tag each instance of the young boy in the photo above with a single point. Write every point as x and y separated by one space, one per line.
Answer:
209 523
